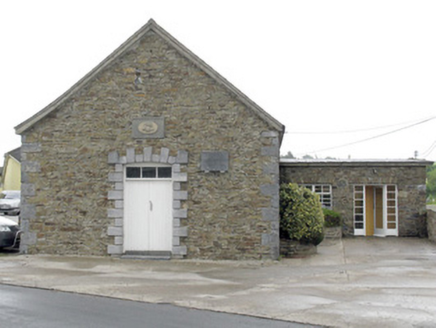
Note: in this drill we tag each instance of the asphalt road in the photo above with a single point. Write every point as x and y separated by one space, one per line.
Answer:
35 308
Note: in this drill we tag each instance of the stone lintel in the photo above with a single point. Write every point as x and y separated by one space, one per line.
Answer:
139 158
164 154
155 158
148 151
130 155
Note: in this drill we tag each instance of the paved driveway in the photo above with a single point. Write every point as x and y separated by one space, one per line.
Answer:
356 282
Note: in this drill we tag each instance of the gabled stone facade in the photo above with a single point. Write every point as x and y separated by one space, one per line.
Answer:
75 151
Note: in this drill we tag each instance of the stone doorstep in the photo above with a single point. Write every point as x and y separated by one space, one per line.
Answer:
149 255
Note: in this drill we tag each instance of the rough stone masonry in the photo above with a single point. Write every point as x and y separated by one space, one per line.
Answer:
75 151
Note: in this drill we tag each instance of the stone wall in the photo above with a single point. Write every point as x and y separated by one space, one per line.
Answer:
342 176
72 201
293 249
431 223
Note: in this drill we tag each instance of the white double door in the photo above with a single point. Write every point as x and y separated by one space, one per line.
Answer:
148 215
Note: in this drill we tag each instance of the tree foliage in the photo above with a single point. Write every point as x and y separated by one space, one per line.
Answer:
288 155
431 182
301 216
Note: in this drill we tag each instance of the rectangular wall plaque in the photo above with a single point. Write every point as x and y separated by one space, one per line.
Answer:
214 161
148 128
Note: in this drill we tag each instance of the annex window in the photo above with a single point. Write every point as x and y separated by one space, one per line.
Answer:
324 192
148 172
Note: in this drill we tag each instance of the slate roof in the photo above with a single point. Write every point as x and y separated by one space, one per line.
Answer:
16 153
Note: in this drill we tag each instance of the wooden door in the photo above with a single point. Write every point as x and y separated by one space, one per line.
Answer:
369 211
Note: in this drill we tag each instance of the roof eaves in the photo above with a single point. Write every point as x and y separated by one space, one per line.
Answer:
355 163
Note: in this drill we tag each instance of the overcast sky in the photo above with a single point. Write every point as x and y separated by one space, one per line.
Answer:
334 73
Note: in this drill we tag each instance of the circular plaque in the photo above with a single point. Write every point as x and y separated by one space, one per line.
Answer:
148 127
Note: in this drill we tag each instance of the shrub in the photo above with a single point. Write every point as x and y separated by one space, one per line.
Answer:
331 218
301 216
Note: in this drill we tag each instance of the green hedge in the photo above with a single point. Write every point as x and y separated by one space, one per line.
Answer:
331 218
301 216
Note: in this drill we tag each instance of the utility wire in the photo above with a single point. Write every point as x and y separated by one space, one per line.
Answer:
429 150
352 131
373 137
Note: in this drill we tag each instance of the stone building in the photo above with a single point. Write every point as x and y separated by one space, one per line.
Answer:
152 153
374 197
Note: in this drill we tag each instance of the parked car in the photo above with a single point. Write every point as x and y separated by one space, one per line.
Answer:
10 202
9 233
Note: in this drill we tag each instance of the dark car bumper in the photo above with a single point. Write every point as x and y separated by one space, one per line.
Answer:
10 238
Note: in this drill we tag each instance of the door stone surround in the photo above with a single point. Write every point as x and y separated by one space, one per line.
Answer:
178 166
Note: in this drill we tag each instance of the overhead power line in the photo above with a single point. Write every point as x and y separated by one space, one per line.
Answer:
354 130
373 137
429 150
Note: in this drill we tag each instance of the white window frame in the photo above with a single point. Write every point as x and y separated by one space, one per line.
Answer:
359 210
147 178
322 193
